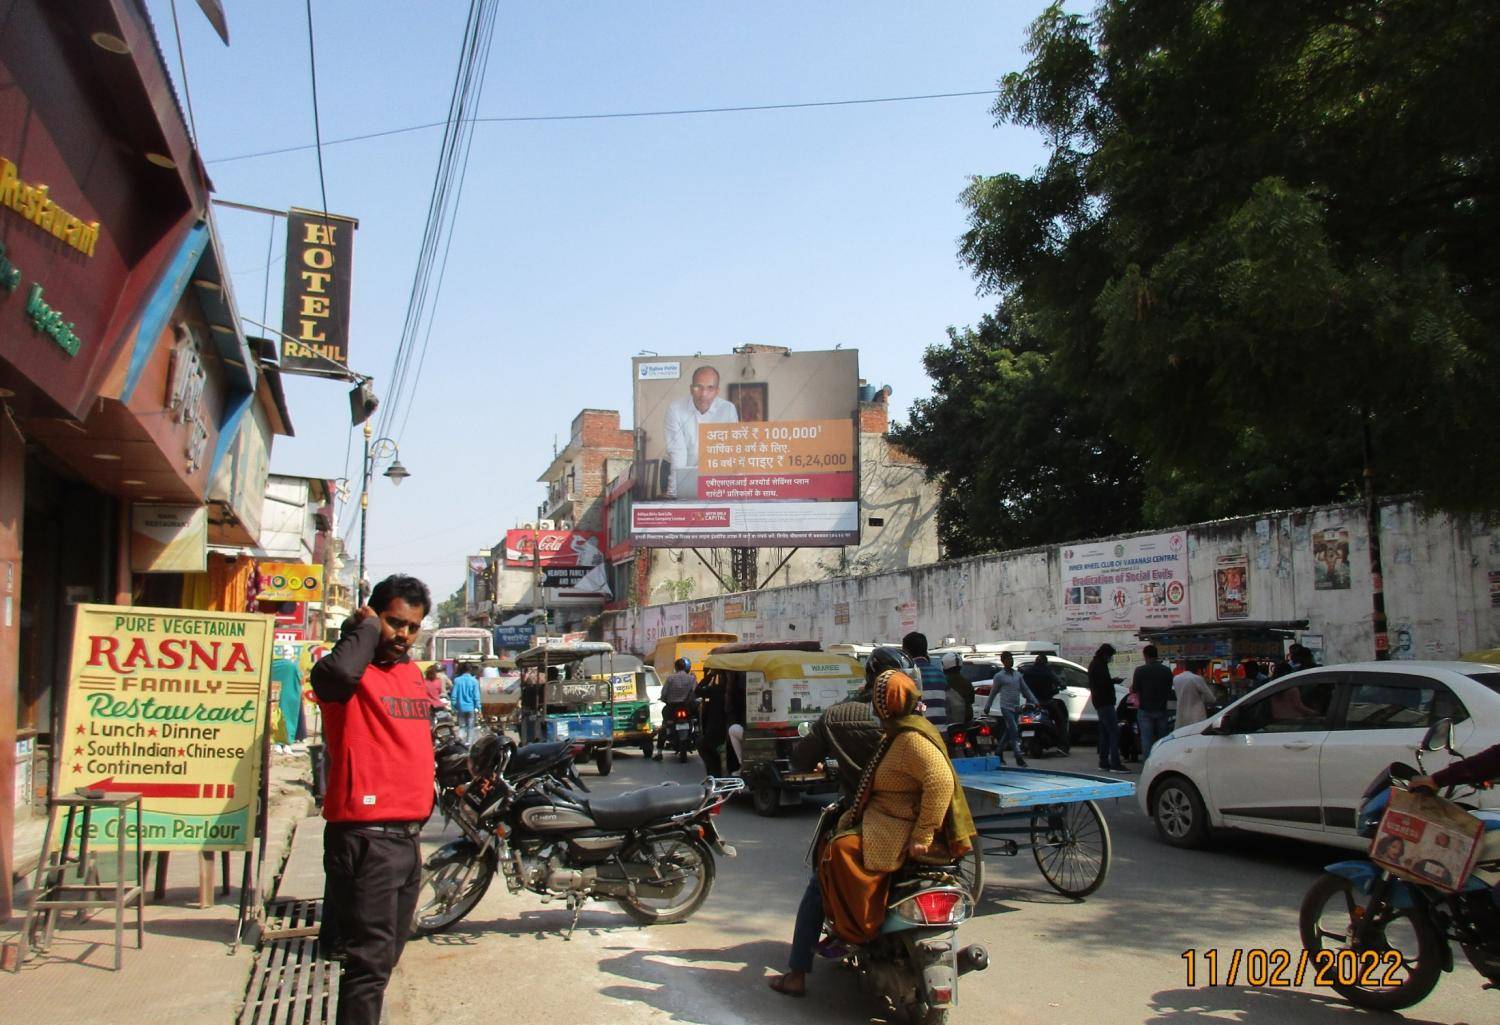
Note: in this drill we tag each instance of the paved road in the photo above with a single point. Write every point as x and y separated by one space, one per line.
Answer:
1116 957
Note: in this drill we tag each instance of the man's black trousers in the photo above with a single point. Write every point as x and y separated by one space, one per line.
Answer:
370 892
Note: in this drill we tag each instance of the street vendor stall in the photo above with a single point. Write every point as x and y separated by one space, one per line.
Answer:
1224 646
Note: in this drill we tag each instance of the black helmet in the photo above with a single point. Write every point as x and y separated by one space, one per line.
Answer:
488 755
682 665
888 657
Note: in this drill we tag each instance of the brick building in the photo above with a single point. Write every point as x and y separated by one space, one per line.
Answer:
598 450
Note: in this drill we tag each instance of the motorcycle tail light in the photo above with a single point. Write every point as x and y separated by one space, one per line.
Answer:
716 809
958 738
935 907
984 731
1026 720
681 713
941 994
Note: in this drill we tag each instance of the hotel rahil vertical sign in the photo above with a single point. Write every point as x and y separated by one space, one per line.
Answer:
315 308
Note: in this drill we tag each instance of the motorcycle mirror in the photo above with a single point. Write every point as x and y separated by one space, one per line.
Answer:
804 728
1439 736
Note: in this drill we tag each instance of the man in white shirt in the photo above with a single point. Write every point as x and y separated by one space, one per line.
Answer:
703 406
1194 695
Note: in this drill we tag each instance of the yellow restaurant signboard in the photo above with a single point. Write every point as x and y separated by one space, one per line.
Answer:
290 581
169 704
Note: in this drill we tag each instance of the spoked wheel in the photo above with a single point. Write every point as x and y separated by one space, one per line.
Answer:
971 870
450 891
1395 962
1071 845
681 876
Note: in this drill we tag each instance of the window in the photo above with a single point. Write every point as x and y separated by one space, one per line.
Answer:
1299 708
1071 676
1490 680
1392 701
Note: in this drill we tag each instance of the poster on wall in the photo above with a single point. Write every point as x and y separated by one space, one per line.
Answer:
168 538
170 704
748 448
1125 584
790 700
701 617
1232 587
291 582
1331 559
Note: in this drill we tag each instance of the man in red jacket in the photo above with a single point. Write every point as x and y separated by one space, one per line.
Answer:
376 716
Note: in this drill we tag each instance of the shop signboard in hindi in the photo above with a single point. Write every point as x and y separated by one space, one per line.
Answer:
740 608
745 449
1331 559
291 581
316 292
1126 584
168 538
1232 587
514 638
170 704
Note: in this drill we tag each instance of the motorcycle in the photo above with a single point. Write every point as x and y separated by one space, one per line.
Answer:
973 739
680 728
1382 941
524 814
1039 730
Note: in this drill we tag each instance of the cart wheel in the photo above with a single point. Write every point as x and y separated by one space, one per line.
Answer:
647 749
971 869
766 800
1071 845
604 761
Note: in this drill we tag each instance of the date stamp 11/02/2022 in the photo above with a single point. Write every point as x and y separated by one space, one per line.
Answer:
1279 967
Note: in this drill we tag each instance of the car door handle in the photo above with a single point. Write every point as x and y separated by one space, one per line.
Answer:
1296 747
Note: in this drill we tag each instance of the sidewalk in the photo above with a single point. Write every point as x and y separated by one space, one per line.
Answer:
185 975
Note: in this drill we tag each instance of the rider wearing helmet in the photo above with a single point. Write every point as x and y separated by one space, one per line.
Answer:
676 692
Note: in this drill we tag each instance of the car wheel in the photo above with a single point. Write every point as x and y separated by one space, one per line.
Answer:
1180 816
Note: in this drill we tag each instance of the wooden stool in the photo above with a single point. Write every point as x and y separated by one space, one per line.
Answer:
51 892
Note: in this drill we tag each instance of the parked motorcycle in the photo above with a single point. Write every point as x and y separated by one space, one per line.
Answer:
1382 941
525 813
1040 731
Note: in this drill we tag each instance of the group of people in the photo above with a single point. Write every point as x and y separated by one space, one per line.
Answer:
719 704
461 694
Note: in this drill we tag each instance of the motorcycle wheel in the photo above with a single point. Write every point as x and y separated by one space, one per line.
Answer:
1327 921
678 857
440 901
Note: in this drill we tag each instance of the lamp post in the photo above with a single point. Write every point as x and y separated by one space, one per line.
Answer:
377 449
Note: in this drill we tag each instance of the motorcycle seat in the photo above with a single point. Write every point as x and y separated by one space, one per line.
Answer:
641 806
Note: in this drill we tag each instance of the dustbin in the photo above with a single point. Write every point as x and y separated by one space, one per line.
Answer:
319 771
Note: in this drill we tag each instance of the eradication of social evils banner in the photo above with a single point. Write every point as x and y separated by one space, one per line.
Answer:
746 449
169 704
1125 584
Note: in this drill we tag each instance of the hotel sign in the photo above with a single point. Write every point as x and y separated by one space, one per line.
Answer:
315 309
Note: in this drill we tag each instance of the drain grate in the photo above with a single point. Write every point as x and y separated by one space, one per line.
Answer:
290 984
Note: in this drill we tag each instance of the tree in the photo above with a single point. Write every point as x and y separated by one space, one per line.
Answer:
1021 459
450 611
1264 227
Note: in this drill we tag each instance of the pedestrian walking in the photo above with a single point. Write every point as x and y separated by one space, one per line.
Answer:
1102 694
376 724
1006 693
934 683
1152 685
465 700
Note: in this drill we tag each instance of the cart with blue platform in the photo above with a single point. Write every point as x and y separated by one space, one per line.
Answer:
1054 814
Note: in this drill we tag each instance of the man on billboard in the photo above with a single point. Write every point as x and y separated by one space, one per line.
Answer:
680 427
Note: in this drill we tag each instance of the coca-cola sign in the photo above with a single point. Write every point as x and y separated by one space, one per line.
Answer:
553 548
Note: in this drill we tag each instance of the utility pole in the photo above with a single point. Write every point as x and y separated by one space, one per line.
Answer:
1372 526
364 515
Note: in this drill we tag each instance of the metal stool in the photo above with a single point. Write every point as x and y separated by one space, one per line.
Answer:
52 893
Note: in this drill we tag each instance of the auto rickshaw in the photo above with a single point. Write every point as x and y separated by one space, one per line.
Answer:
578 708
783 688
636 690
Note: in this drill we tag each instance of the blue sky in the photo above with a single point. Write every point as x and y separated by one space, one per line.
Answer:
581 243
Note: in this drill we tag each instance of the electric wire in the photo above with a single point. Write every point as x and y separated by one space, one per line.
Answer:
312 62
682 112
182 63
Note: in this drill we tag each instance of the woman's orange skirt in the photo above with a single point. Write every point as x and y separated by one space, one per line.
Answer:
854 898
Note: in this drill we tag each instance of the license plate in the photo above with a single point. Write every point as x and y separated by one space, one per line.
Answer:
682 727
1028 733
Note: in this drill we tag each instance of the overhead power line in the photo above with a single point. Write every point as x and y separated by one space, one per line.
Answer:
522 118
312 63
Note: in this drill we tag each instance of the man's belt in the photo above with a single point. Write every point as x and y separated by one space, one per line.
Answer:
403 830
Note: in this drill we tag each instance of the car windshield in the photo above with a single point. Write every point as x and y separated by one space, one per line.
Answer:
979 672
1490 680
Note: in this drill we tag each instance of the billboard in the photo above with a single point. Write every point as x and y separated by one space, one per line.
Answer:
315 289
168 538
1126 584
752 448
553 549
291 582
170 704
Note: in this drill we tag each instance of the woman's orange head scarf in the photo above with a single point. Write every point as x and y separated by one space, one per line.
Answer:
895 695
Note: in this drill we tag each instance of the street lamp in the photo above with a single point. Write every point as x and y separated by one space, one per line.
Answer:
379 448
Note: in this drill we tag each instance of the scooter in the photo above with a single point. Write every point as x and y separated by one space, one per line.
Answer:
679 732
972 739
1382 941
1039 730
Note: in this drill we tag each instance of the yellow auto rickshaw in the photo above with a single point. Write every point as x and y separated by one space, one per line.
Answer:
783 689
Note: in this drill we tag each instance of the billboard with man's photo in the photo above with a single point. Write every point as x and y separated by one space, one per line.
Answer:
755 448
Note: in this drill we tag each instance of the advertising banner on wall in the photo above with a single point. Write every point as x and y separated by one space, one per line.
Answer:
1232 587
1331 559
553 548
291 581
746 449
170 704
315 303
1125 584
168 538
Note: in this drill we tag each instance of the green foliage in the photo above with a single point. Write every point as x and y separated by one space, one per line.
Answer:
450 611
1262 225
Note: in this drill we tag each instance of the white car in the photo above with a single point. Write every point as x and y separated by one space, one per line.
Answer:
1293 757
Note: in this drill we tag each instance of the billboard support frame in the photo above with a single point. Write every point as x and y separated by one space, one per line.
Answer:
772 575
711 569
